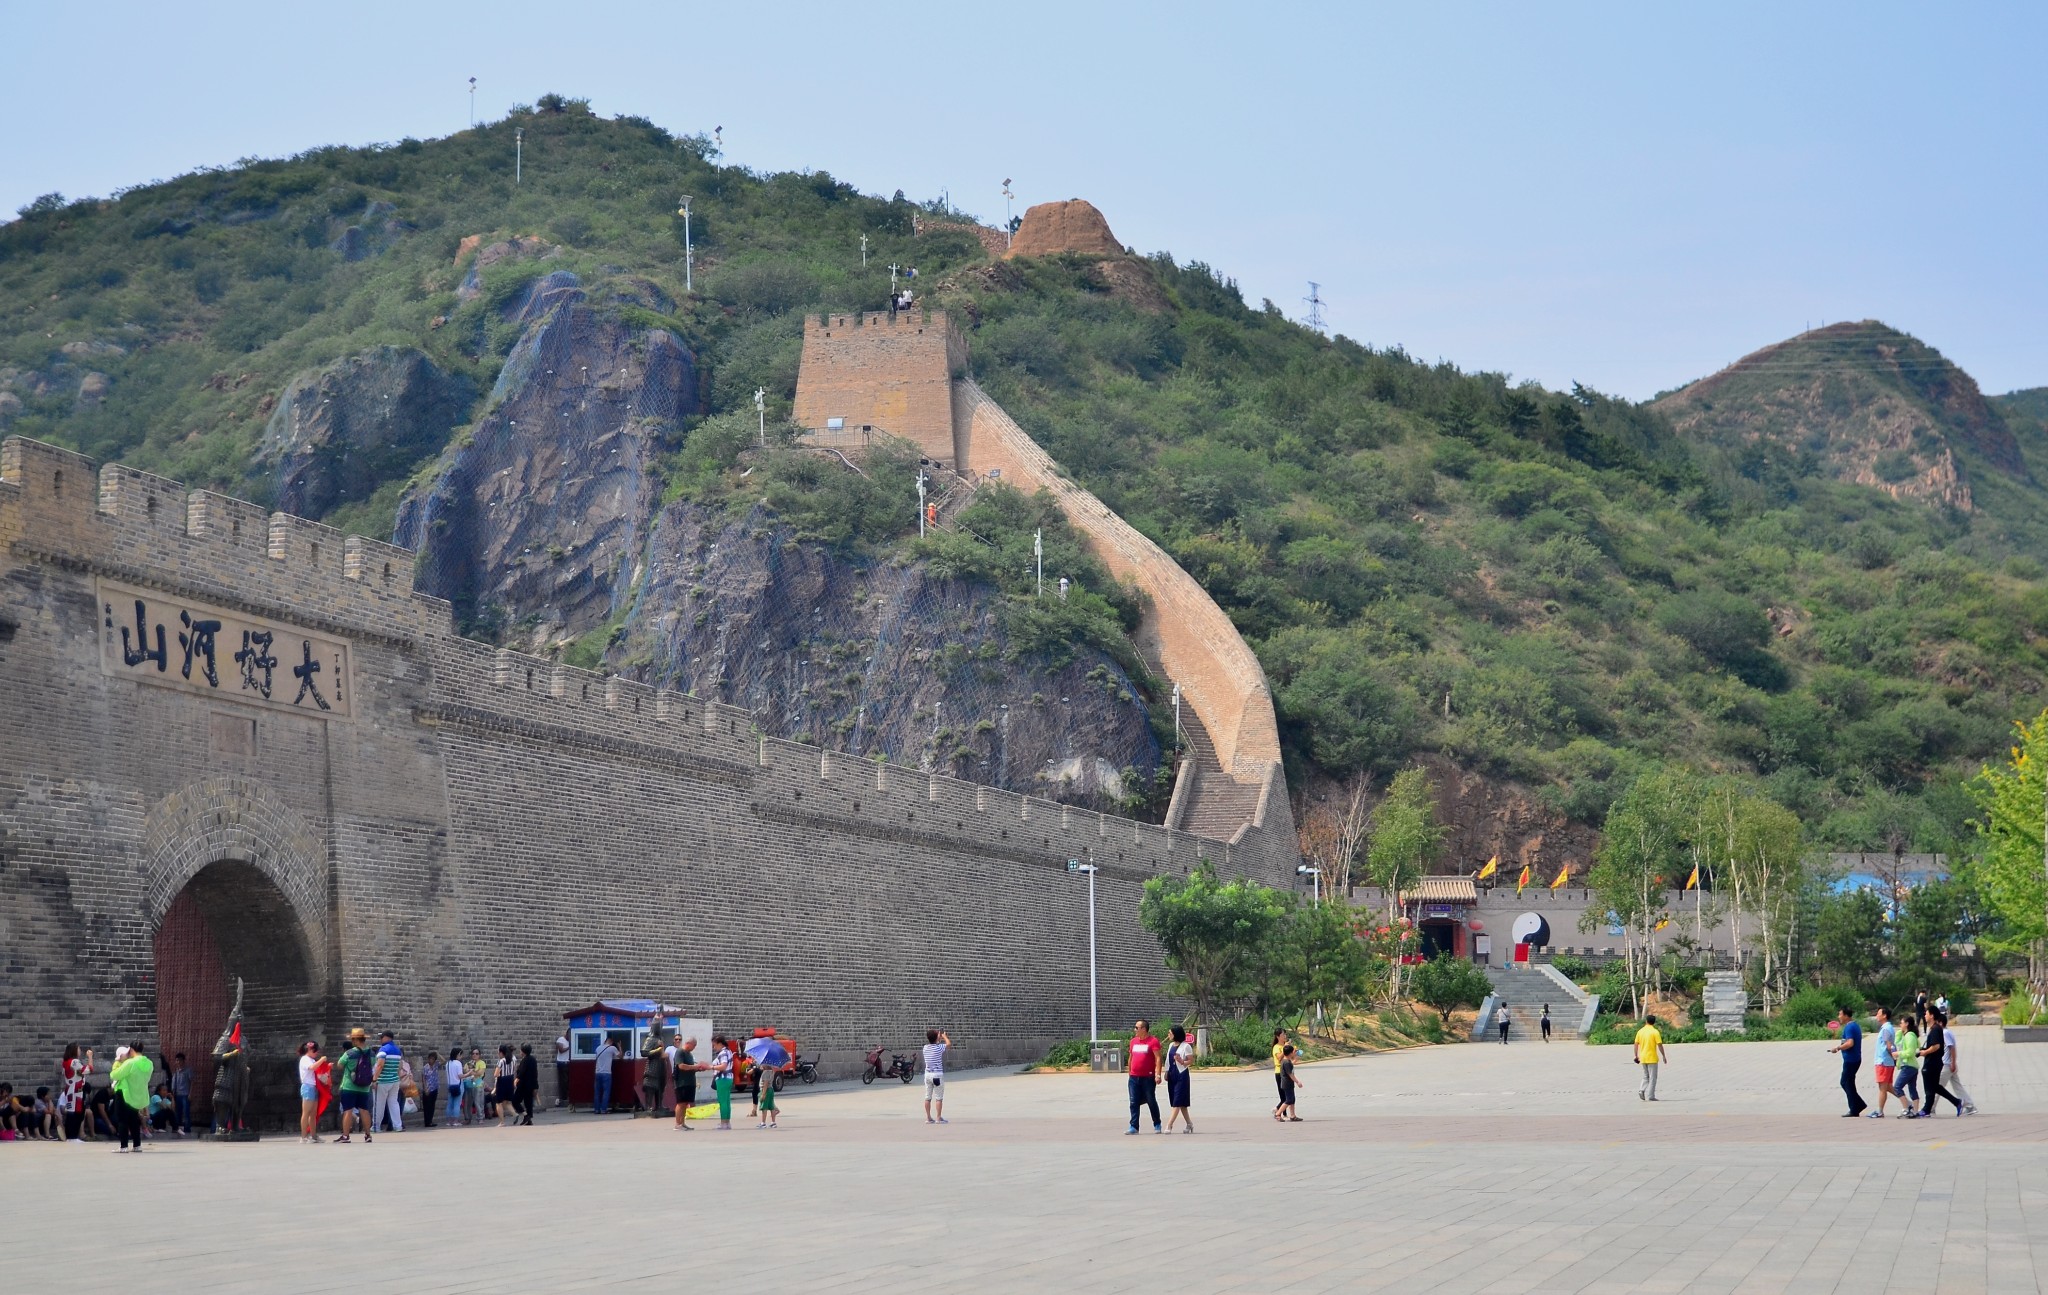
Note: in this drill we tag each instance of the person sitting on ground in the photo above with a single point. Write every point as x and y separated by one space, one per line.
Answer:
162 1109
12 1114
46 1121
99 1113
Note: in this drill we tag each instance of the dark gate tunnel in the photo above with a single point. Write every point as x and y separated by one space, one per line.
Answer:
230 920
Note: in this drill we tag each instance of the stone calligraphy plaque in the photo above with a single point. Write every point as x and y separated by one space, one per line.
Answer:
174 642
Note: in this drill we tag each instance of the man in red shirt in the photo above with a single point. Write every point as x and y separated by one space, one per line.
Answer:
1144 1078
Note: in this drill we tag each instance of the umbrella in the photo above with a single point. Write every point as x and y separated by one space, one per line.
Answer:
769 1054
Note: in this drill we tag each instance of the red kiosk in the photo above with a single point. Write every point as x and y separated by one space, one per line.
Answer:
626 1022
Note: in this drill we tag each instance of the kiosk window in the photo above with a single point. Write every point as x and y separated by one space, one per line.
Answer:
583 1044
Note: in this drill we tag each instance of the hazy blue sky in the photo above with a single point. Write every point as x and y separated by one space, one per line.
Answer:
1621 195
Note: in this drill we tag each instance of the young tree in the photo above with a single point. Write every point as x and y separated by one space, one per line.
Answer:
1210 932
1640 851
1332 831
2013 871
1317 962
1769 858
1406 837
1447 983
1849 936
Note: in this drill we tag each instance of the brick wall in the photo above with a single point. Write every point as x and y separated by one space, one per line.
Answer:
485 839
892 372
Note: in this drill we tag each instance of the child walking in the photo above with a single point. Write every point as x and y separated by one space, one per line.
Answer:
1288 1083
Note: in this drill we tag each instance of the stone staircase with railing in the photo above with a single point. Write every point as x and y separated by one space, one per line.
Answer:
1526 989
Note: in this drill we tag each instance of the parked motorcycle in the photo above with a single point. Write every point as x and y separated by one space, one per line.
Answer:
899 1067
807 1069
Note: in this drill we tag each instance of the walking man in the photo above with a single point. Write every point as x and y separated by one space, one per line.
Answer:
1649 1055
1143 1080
601 1077
1546 1022
1500 1020
1850 1045
686 1069
561 1070
935 1044
1886 1068
1951 1080
386 1106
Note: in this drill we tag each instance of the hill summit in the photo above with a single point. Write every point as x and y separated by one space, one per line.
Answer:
1863 402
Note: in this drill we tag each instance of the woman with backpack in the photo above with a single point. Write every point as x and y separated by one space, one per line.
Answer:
358 1081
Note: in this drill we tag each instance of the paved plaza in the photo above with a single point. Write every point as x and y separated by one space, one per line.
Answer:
1469 1167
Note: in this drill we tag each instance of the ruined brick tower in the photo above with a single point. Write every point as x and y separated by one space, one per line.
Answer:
892 372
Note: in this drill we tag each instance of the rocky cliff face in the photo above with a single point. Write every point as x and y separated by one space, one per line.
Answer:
874 659
544 526
534 521
340 431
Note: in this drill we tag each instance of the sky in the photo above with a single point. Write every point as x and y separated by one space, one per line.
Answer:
1624 195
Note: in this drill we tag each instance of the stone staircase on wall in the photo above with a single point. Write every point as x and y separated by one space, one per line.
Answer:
1233 780
1526 990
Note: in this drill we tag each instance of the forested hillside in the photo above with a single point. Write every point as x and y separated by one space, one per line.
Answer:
1554 590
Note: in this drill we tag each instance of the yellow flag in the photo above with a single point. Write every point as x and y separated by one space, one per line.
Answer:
1491 866
1693 881
1562 874
1521 885
1662 922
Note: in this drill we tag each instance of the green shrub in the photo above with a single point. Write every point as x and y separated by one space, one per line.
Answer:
1809 1006
1612 986
2019 1010
1073 1052
1249 1038
1573 967
1961 1001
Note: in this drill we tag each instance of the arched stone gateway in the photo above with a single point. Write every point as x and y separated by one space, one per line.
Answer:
234 889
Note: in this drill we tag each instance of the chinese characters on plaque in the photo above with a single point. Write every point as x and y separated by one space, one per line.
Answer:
181 644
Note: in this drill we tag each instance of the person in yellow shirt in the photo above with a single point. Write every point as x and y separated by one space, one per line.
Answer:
1649 1055
1279 1046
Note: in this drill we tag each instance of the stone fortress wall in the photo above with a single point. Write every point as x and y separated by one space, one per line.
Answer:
462 842
1233 787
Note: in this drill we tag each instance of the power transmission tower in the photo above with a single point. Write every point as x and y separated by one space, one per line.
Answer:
1314 299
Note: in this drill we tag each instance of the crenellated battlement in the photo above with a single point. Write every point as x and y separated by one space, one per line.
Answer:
137 527
504 690
123 521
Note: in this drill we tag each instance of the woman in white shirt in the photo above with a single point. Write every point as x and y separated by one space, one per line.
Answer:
309 1092
452 1083
1179 1058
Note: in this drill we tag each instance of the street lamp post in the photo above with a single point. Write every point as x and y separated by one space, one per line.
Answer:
684 212
1075 865
1315 874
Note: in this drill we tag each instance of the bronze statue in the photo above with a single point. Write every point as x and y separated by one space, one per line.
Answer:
231 1077
655 1080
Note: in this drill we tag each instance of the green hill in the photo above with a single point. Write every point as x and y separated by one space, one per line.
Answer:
1549 590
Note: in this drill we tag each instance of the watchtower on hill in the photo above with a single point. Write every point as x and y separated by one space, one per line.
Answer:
894 372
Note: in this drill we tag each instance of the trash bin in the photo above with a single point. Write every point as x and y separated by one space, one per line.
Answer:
1107 1057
